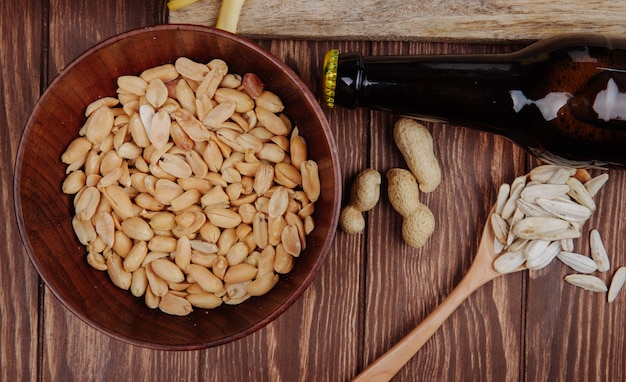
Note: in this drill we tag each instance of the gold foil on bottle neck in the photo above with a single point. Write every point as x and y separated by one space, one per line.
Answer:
329 80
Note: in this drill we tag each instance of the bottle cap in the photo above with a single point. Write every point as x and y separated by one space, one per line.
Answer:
329 80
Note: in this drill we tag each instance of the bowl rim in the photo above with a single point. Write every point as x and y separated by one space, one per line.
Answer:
336 191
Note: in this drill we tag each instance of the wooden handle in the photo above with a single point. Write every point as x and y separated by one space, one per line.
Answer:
387 365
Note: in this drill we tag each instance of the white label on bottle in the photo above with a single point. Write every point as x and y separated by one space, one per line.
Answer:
581 56
610 103
548 106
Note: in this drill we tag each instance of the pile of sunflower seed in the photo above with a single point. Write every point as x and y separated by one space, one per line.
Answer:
538 216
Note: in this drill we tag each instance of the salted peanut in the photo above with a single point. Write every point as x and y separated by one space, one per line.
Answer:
243 230
297 148
175 165
165 73
306 211
231 175
132 84
295 221
246 169
160 129
186 96
161 243
233 191
250 142
291 240
136 256
182 254
215 197
263 179
271 121
119 201
175 305
163 221
110 161
86 202
191 69
247 212
269 101
210 83
151 256
185 219
151 300
167 270
84 230
203 246
260 230
212 155
198 166
309 224
122 244
156 93
158 285
166 191
281 141
310 179
99 125
243 102
204 300
275 226
190 125
97 261
287 175
219 114
205 278
283 261
229 138
105 228
227 239
129 150
265 262
237 253
137 131
137 228
222 217
185 200
278 202
92 163
148 202
139 282
262 284
76 151
107 102
120 277
240 273
194 183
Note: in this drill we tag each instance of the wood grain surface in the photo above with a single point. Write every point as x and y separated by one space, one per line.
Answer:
400 20
372 289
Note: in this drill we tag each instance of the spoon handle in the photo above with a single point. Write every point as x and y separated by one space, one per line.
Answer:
387 365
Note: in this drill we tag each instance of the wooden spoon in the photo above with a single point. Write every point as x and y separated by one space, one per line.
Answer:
481 272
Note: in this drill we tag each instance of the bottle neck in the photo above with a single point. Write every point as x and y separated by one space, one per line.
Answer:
472 90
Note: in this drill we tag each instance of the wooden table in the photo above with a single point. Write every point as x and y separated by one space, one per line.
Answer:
372 289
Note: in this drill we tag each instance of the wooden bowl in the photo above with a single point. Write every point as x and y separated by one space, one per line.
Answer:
45 213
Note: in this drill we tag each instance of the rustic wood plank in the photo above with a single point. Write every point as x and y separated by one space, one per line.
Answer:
318 337
571 332
19 90
404 285
450 20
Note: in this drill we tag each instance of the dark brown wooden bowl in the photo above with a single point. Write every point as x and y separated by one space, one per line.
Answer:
44 213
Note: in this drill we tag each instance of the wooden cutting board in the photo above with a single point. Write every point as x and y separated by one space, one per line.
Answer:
424 20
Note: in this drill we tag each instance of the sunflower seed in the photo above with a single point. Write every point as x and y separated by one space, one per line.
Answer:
509 262
587 282
619 278
577 262
598 251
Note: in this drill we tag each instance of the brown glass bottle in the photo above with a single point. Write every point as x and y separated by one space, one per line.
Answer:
562 99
